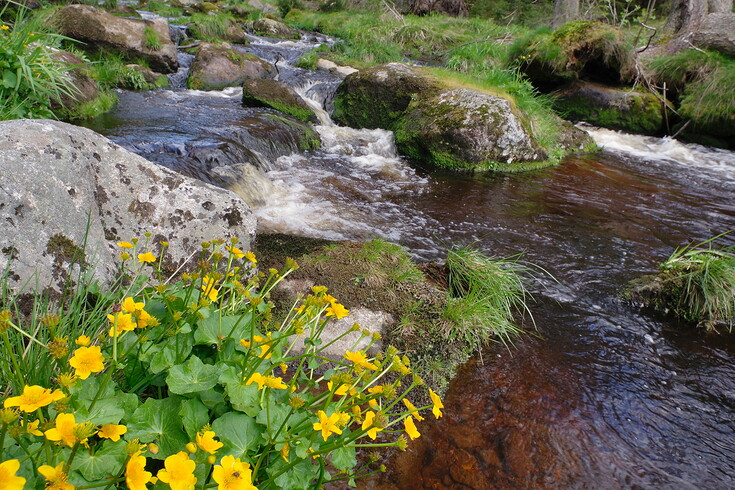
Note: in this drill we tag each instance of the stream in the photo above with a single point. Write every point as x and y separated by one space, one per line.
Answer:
598 395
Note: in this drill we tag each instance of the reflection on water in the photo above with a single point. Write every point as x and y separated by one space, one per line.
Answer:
601 397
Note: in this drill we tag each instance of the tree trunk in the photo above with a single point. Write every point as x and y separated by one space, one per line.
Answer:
565 11
720 6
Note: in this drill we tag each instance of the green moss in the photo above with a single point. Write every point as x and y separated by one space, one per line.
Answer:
103 103
64 250
641 113
162 81
152 39
310 138
294 111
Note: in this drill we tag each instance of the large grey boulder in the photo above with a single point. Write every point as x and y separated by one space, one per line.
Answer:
217 66
272 28
62 186
101 30
464 129
717 33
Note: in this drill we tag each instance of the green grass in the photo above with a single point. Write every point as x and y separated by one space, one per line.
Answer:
162 8
486 293
702 280
705 84
152 39
209 27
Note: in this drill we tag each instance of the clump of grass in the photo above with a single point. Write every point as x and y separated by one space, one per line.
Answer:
210 27
152 39
704 82
164 9
702 283
485 295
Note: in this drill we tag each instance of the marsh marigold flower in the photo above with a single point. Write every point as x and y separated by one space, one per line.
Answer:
129 305
233 474
438 405
124 244
112 432
83 341
336 310
33 398
369 425
121 322
208 288
412 408
207 443
328 424
87 360
410 427
147 257
235 251
178 472
64 430
360 359
8 480
55 477
136 477
251 257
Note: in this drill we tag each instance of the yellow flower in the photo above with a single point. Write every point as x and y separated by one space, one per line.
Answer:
251 257
125 244
64 430
145 319
8 480
121 322
55 477
32 428
206 442
341 391
130 306
359 359
208 288
368 424
373 403
438 405
178 472
275 383
33 398
337 311
136 476
328 424
67 379
233 474
147 257
412 408
112 432
257 378
83 341
410 427
376 390
235 251
87 360
284 451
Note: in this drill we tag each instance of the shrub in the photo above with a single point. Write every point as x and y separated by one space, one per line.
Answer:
29 78
196 375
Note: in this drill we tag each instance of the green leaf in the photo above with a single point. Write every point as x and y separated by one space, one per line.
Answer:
9 79
195 416
244 398
298 476
89 389
191 376
215 328
164 356
105 463
273 416
159 421
238 432
213 400
344 458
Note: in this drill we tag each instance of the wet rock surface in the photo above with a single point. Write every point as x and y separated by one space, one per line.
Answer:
62 186
217 66
101 30
276 95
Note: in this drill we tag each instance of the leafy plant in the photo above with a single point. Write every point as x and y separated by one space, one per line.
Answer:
152 39
197 375
29 78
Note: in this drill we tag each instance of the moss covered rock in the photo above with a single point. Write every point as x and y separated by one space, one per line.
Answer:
614 108
272 28
378 96
217 66
577 50
463 129
264 92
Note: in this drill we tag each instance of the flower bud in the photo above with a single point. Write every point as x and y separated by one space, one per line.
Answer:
211 459
153 448
191 447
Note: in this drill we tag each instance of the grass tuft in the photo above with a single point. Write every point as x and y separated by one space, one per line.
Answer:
152 39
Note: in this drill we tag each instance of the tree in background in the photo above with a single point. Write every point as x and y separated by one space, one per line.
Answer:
686 15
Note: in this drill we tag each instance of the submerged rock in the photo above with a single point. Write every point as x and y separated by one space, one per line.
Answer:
101 30
466 130
63 186
276 95
217 66
614 108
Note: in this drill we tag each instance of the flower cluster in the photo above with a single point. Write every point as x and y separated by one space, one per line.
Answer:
200 376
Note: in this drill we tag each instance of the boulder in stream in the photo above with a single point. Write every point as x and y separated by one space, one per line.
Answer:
614 108
129 37
217 66
272 28
464 129
264 92
63 186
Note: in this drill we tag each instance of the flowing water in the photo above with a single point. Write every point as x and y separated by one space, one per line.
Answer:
600 396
